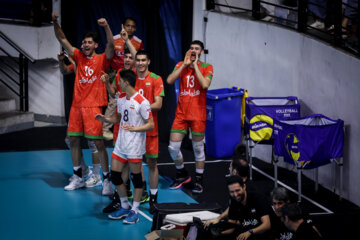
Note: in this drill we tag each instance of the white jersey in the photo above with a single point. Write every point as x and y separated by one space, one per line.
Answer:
134 112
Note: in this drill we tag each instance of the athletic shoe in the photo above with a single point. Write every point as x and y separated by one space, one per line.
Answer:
93 181
75 183
107 188
318 24
120 213
112 207
153 200
108 135
198 188
145 197
86 172
129 194
179 182
131 218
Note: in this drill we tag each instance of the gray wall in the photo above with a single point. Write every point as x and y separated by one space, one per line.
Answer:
269 60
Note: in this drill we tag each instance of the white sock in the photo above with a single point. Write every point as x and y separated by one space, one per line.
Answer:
76 168
153 191
199 171
135 207
124 203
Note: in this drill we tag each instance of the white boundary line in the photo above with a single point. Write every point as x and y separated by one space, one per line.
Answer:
327 211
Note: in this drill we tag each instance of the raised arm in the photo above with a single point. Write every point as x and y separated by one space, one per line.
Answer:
124 35
204 81
61 36
109 50
176 74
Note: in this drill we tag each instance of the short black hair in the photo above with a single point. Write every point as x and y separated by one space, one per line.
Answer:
292 211
92 35
128 76
198 42
234 179
126 51
131 19
143 52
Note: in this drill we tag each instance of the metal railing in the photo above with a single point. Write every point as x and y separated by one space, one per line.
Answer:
20 71
300 10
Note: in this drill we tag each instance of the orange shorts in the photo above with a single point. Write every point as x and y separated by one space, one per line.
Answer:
152 147
115 132
124 158
182 126
82 122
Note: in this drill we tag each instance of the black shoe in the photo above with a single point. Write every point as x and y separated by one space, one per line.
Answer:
115 196
179 182
198 188
153 200
145 197
112 207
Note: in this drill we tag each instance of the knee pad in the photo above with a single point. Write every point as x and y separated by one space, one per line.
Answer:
92 146
174 150
136 179
198 148
116 178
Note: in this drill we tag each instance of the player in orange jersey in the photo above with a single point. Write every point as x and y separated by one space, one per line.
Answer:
151 86
195 78
89 97
121 45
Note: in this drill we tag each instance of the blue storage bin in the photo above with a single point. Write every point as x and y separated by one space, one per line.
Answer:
223 123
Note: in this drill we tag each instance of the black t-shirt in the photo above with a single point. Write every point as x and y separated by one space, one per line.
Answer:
306 231
249 215
278 229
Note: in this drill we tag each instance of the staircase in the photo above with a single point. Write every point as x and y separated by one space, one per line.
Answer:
12 120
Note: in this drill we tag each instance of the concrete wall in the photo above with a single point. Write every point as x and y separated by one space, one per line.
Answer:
269 60
46 94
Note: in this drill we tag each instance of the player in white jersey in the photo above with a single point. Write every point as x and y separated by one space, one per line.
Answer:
135 118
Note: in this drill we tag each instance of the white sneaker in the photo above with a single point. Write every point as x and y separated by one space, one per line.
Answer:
107 188
318 24
75 183
93 181
85 173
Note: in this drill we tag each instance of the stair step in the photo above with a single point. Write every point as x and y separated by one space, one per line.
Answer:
16 121
7 105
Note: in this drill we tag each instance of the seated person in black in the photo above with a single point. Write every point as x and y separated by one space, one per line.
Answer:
293 219
248 214
279 197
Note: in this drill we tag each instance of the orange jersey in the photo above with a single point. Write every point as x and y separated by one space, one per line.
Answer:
150 87
192 97
89 90
118 59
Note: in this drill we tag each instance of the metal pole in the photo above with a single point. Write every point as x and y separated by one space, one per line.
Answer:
302 17
21 81
299 182
26 84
